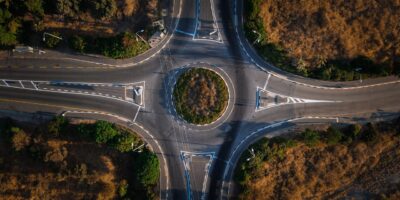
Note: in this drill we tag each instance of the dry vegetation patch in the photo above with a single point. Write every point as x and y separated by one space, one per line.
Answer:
349 169
58 160
315 34
200 96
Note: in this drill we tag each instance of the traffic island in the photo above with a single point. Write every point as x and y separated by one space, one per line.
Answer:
200 96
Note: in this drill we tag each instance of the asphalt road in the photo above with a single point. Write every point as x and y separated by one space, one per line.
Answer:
196 161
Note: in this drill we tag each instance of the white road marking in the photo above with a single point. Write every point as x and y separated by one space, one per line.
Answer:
266 82
5 82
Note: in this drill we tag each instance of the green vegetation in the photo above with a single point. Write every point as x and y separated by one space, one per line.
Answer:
147 171
103 132
22 22
200 96
96 156
359 67
310 137
124 45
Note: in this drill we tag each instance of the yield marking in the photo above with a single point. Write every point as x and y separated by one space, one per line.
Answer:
266 99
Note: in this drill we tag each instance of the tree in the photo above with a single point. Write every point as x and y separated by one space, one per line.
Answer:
147 169
105 8
70 8
35 7
9 26
310 137
104 131
19 139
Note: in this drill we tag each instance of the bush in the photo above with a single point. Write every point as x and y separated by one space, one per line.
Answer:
123 188
104 131
333 136
147 169
310 137
354 130
77 43
125 142
57 125
19 139
370 134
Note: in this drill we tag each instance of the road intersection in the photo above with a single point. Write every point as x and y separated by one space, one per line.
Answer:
196 161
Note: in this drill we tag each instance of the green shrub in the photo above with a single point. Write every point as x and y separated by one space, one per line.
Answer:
123 188
104 131
57 125
310 137
147 169
77 43
333 135
125 142
370 134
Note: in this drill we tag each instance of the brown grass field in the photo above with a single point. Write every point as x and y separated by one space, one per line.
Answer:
68 167
314 30
359 170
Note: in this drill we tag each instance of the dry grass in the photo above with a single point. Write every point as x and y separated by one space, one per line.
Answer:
334 30
58 173
130 14
332 172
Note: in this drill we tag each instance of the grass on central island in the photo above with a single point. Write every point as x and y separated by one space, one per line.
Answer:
200 96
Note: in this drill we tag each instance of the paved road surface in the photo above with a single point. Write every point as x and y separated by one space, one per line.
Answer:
196 161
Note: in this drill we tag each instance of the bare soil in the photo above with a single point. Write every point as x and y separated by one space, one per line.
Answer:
315 30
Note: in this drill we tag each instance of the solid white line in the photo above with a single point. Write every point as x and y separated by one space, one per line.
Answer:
137 112
266 82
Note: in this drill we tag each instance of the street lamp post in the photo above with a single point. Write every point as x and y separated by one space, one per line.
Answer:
357 70
258 37
137 35
49 34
